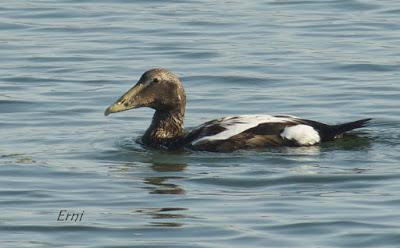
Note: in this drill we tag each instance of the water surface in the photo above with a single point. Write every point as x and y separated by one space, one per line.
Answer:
63 62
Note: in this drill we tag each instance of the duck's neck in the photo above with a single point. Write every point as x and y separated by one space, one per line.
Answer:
166 129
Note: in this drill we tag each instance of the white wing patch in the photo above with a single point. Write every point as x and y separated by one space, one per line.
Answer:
237 124
302 134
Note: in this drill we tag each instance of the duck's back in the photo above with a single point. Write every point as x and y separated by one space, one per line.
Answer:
254 131
250 131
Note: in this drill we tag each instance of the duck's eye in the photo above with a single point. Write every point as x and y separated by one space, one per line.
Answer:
156 80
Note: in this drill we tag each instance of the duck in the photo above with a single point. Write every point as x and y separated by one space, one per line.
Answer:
162 90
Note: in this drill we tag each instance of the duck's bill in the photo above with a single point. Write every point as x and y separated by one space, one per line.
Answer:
125 102
114 108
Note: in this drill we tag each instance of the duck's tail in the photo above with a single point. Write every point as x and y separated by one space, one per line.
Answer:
345 127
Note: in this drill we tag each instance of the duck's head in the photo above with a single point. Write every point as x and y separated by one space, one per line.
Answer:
157 88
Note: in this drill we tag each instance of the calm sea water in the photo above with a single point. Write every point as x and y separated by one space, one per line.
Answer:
63 62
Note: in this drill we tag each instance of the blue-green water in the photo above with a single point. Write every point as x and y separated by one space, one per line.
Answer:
63 62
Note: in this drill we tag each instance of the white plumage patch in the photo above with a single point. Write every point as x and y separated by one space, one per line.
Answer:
237 124
302 134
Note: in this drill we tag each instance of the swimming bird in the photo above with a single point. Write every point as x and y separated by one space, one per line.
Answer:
162 91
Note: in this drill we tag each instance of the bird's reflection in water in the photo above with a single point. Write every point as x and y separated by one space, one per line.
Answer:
350 142
159 167
163 187
162 215
161 184
160 172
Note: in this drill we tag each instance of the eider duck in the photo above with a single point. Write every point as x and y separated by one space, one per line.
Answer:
162 91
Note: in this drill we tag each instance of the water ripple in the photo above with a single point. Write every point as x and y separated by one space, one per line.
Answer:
63 62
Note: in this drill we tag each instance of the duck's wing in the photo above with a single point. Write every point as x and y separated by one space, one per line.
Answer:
252 131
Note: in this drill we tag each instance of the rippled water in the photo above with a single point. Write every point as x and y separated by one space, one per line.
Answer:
63 62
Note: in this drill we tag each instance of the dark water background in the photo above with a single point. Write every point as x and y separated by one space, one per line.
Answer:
62 62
